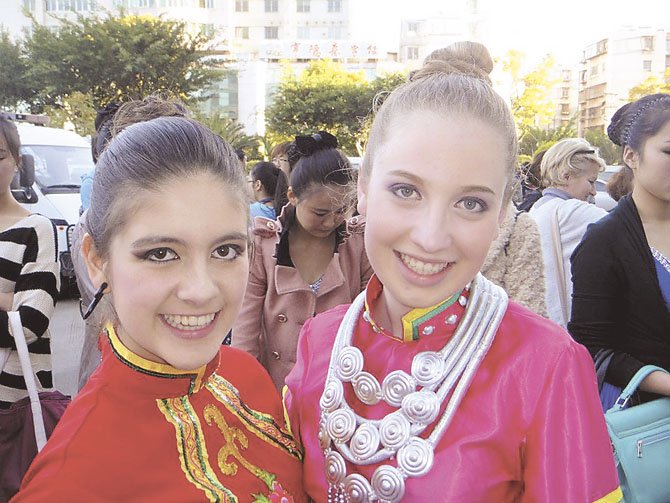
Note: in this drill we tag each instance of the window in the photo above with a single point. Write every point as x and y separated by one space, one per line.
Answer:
412 53
565 109
271 5
272 32
241 5
303 32
242 32
302 5
207 30
29 5
413 27
565 93
206 4
567 75
646 65
334 5
647 43
594 70
334 32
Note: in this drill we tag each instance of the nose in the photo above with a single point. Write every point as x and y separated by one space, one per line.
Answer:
197 285
433 232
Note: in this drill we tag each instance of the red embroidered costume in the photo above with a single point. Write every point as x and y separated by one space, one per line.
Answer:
142 431
529 428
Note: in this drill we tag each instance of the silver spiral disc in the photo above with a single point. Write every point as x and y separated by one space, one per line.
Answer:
365 441
340 425
388 484
336 469
416 457
396 385
428 368
421 407
367 388
349 363
358 489
332 395
394 431
324 439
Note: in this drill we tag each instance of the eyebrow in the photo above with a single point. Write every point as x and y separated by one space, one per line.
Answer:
156 240
416 179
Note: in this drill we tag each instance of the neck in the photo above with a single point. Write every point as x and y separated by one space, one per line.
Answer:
8 203
651 209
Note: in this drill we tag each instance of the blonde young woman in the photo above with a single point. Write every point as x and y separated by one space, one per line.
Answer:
569 172
431 386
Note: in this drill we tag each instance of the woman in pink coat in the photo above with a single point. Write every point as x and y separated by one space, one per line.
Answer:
306 262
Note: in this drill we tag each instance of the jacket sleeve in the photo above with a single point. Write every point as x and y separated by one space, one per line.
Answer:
248 327
597 304
36 288
526 282
568 419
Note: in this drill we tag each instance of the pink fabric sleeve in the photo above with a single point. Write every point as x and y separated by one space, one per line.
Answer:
567 454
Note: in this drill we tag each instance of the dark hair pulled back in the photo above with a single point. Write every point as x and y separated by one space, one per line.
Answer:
634 123
145 156
274 182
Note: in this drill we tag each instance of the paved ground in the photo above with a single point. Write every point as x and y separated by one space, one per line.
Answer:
67 332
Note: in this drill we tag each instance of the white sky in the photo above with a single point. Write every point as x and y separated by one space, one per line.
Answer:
560 27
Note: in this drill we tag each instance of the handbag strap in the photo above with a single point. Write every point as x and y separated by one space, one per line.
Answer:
558 256
632 386
29 377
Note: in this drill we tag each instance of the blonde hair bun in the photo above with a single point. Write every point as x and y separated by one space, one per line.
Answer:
467 58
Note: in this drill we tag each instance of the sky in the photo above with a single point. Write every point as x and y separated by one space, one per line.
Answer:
560 27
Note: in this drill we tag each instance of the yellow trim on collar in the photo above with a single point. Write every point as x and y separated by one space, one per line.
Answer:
153 368
614 497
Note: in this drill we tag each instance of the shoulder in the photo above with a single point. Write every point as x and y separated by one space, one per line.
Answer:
265 228
574 210
356 225
244 372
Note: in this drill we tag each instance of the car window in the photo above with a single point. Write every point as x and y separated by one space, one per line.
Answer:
59 166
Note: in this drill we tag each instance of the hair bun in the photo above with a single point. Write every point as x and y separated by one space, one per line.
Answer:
617 124
467 58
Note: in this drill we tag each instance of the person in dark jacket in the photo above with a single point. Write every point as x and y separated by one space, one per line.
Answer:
621 269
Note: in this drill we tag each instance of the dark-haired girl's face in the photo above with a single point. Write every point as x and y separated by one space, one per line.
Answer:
322 209
652 165
177 271
8 165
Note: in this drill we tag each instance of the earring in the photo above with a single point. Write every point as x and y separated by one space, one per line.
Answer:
97 297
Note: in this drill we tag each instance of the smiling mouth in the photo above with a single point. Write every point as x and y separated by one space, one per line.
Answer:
189 322
423 268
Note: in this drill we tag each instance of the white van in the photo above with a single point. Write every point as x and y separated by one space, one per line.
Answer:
54 161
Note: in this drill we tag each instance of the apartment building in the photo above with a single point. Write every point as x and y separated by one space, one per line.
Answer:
613 65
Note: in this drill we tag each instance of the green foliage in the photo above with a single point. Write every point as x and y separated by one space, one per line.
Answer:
607 150
532 99
233 132
116 58
325 97
536 139
13 66
651 85
76 109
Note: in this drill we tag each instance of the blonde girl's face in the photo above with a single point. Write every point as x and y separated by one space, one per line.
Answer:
177 271
433 202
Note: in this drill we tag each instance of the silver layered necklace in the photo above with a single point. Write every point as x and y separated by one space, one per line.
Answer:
417 397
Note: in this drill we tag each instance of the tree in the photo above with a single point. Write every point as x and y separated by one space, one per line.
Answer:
607 150
532 100
13 66
536 139
651 85
117 58
325 96
77 109
233 132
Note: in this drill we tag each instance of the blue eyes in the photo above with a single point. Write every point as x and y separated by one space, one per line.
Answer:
409 193
163 255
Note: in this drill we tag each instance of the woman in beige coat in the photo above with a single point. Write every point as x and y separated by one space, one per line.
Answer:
306 262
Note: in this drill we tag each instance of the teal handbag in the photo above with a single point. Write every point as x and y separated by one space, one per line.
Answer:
641 439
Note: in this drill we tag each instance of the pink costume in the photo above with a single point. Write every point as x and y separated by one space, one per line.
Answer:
529 427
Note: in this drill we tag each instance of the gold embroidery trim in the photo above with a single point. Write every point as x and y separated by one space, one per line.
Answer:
260 424
193 454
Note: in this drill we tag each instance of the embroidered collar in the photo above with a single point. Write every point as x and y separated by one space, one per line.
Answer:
197 377
419 321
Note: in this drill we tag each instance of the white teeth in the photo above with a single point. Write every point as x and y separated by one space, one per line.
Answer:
422 268
184 322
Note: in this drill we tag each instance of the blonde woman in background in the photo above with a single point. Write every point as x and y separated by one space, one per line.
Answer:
569 171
